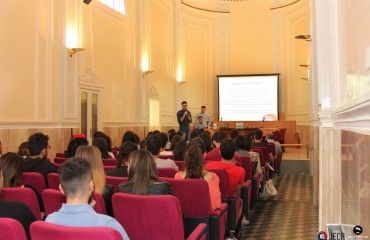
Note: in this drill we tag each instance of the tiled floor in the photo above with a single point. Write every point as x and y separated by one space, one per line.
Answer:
288 215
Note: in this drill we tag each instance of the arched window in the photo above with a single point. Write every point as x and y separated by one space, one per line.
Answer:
118 5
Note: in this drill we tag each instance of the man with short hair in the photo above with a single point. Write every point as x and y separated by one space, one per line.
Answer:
215 155
184 119
38 145
154 144
200 123
77 184
204 115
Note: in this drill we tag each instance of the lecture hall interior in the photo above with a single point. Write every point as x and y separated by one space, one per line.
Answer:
68 67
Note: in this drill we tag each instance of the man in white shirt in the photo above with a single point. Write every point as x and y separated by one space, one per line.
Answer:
200 124
204 115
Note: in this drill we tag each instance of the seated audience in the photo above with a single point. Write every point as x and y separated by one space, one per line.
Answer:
164 140
194 168
77 184
154 144
233 134
179 151
12 167
215 155
129 136
205 136
142 176
270 138
107 140
73 145
171 133
38 144
92 155
195 133
23 150
255 157
258 142
16 210
177 138
101 144
122 160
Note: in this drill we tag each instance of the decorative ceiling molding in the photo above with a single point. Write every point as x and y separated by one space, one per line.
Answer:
286 5
203 9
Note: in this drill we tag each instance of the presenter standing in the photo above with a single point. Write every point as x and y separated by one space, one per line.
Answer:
184 118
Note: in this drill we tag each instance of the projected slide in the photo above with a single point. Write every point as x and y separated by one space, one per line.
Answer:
248 97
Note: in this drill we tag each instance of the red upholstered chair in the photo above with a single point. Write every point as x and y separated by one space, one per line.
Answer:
57 165
108 168
261 155
152 217
53 200
246 193
233 201
282 137
200 212
60 160
115 181
24 195
165 156
34 179
166 172
11 229
53 181
59 155
115 151
110 162
45 231
180 164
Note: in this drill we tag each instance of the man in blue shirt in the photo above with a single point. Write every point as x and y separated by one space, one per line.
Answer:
76 183
184 119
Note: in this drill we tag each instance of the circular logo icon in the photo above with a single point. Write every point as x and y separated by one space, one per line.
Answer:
322 235
357 230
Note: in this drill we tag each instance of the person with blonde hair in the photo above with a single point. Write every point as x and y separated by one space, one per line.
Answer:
93 156
143 176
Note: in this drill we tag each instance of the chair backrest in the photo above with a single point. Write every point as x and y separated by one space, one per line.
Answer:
180 164
110 162
115 151
60 160
149 217
34 179
115 181
53 181
53 200
247 165
11 229
44 231
108 168
24 195
260 153
199 194
169 156
224 182
166 172
282 135
272 148
59 155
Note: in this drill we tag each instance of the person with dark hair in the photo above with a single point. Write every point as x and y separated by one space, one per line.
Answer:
38 145
258 142
184 119
177 138
73 145
194 168
207 141
195 133
17 211
234 133
76 182
164 140
255 157
122 161
143 178
236 174
215 155
179 151
154 144
205 117
171 131
200 123
129 136
241 146
101 144
23 150
170 136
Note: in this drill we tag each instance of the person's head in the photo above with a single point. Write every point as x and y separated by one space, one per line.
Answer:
270 136
76 179
258 134
199 142
217 138
129 136
227 149
153 144
137 139
124 153
171 131
195 133
202 109
23 150
97 134
74 144
141 169
184 105
38 144
92 155
171 135
177 138
200 119
240 143
108 141
101 144
234 133
179 150
164 139
207 141
12 167
194 162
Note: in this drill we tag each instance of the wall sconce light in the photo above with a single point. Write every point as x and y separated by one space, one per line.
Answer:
72 51
180 83
304 65
304 37
145 73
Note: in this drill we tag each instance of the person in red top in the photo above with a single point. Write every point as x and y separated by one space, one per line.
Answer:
236 174
215 155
